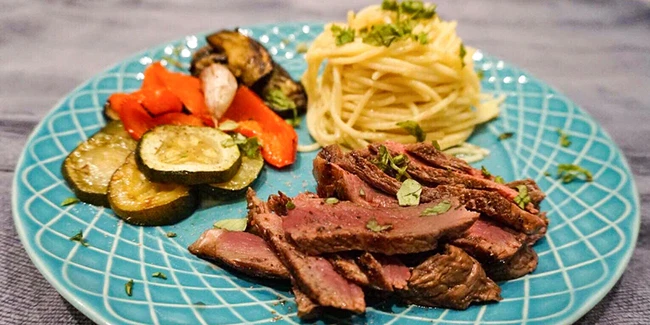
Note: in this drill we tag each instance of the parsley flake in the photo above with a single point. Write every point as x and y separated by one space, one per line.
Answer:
376 227
228 125
462 52
79 237
435 144
290 205
342 36
522 198
331 200
170 234
506 135
564 138
480 74
159 275
388 163
409 193
69 201
128 287
302 48
499 180
413 128
249 146
569 172
237 224
485 172
440 208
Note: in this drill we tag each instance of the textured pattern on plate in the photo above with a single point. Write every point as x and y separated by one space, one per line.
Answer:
593 225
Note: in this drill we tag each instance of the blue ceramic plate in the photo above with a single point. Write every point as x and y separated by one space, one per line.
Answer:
593 227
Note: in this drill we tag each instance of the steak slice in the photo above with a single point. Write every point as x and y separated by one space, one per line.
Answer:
432 177
241 251
489 242
313 275
346 266
384 272
307 308
451 279
434 157
489 203
334 181
318 227
524 262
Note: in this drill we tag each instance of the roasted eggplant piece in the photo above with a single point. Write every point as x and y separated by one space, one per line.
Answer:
204 57
282 94
248 60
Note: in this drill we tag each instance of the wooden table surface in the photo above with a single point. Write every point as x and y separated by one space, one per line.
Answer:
596 52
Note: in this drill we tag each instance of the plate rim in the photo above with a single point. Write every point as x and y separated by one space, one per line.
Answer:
90 311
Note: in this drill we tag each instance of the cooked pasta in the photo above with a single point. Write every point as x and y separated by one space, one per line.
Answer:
380 69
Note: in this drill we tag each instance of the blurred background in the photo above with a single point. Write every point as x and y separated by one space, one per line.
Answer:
596 52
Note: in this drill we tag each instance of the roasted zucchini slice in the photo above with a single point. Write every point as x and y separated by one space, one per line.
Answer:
140 201
205 57
187 155
248 60
248 172
88 168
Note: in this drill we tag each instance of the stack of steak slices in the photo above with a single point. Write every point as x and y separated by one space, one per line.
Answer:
353 239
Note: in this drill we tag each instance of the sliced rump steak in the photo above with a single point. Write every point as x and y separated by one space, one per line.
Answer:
451 279
318 227
524 262
345 264
489 242
307 308
313 275
242 251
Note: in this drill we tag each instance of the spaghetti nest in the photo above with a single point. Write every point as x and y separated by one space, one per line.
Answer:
393 73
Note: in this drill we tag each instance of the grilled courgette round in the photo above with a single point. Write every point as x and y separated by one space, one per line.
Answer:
140 201
88 168
187 155
248 172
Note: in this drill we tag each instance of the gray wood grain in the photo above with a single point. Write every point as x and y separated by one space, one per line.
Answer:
596 52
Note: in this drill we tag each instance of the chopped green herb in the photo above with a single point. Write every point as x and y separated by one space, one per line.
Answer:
69 201
302 48
480 74
250 147
170 234
362 192
413 128
285 41
389 5
564 138
547 174
199 304
128 287
388 163
435 144
462 53
79 237
228 125
331 200
409 193
437 209
422 37
499 179
376 227
386 34
342 35
159 275
294 121
237 224
522 198
569 172
278 99
290 205
506 135
485 172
